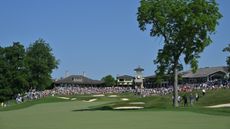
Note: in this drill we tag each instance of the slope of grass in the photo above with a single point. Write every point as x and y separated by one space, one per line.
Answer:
63 116
212 97
13 106
215 97
55 113
157 103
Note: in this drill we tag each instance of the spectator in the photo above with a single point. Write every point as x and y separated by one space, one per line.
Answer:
197 97
185 100
191 98
179 99
203 92
173 99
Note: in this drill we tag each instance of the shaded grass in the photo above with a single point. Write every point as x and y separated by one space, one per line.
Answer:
12 105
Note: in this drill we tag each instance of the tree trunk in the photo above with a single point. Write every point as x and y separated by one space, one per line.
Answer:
175 86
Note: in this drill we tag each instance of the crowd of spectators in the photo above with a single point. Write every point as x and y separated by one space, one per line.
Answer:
210 85
110 90
65 91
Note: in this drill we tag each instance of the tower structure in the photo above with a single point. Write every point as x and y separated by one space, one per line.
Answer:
139 77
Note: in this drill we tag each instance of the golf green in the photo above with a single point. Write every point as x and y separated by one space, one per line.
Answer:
68 115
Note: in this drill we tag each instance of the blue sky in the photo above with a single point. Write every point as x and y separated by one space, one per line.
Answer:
98 37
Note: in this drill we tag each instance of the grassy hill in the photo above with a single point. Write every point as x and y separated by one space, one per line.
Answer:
212 97
72 114
12 105
57 113
215 97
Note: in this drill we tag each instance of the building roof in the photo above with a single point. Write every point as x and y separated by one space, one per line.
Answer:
78 79
201 72
125 77
204 72
150 77
138 69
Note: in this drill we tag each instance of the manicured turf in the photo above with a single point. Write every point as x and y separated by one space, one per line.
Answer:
56 113
68 115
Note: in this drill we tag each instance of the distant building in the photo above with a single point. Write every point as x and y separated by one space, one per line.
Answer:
205 74
78 80
136 81
125 80
151 82
202 75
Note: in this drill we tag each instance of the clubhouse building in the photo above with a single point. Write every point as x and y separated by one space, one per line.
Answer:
132 81
206 74
125 80
202 75
78 80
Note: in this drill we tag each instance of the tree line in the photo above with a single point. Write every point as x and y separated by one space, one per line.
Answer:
24 68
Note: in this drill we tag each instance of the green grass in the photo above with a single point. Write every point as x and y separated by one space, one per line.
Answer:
157 103
65 115
215 97
13 106
55 113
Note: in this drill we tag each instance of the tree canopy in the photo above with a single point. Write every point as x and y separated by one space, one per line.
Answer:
13 73
21 69
227 49
185 26
41 62
109 80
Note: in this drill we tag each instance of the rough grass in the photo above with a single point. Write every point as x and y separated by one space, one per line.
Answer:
215 97
156 103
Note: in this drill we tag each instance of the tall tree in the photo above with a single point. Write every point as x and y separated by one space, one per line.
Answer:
5 91
109 80
185 25
227 49
15 57
13 73
41 62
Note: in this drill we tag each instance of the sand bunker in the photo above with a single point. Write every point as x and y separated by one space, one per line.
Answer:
124 99
112 96
137 103
129 107
91 100
63 98
73 98
100 95
219 106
